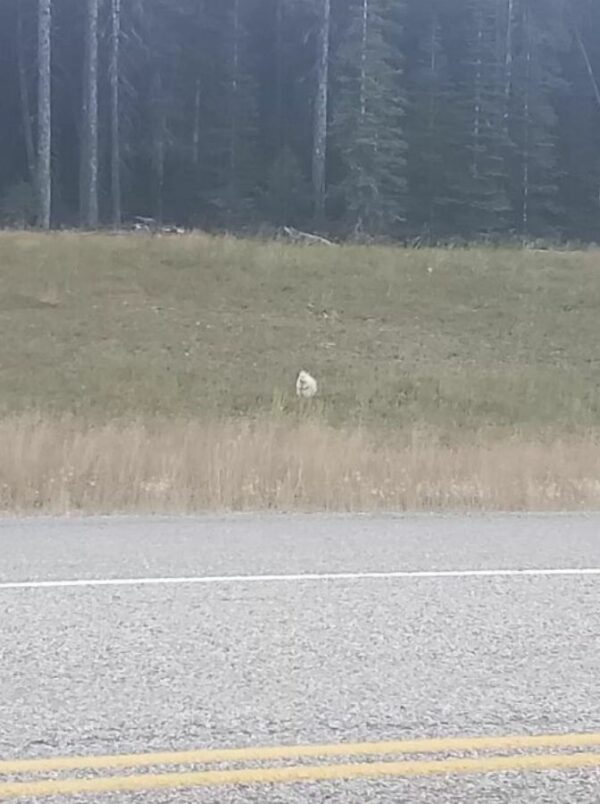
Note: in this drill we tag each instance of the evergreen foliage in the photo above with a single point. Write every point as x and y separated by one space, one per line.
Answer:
472 119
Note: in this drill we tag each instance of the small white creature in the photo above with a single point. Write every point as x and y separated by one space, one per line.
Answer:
306 386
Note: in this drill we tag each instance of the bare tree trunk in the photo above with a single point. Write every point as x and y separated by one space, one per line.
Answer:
478 96
508 57
44 170
115 135
158 143
234 110
24 93
527 125
320 114
88 174
363 58
196 129
279 76
432 123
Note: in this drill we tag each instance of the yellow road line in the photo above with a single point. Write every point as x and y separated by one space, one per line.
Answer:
269 753
301 773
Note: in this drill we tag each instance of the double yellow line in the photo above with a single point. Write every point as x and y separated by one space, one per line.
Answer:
511 749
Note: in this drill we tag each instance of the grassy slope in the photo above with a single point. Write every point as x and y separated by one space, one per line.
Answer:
197 326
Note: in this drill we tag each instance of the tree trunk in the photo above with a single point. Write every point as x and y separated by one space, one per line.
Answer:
363 58
508 53
44 172
234 110
320 114
432 122
279 123
508 66
158 143
24 96
588 65
527 127
88 176
196 129
478 96
115 136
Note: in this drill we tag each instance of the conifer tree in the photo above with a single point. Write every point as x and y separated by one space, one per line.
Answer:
368 120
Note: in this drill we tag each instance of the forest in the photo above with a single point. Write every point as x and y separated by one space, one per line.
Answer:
408 120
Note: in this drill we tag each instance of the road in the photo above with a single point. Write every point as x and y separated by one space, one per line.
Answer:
174 635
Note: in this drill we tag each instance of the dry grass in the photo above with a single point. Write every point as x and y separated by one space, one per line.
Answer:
65 466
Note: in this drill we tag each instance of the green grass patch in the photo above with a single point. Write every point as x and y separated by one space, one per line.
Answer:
196 326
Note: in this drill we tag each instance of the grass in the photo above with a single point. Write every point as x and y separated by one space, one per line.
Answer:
180 466
472 374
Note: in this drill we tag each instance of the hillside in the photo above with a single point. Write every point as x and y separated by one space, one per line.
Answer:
199 326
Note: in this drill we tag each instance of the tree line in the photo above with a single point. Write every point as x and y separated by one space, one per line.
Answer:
426 119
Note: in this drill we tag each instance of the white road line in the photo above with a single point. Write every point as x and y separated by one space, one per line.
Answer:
300 577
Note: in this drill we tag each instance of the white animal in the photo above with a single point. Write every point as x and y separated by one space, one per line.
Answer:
306 386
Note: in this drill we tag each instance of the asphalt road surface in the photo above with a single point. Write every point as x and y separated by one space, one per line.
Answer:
128 636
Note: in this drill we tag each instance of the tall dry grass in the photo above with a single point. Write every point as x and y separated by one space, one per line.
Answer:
65 465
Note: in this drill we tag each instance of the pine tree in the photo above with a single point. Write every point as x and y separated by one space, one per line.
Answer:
579 124
368 118
431 122
427 118
230 182
287 193
535 176
285 34
484 201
